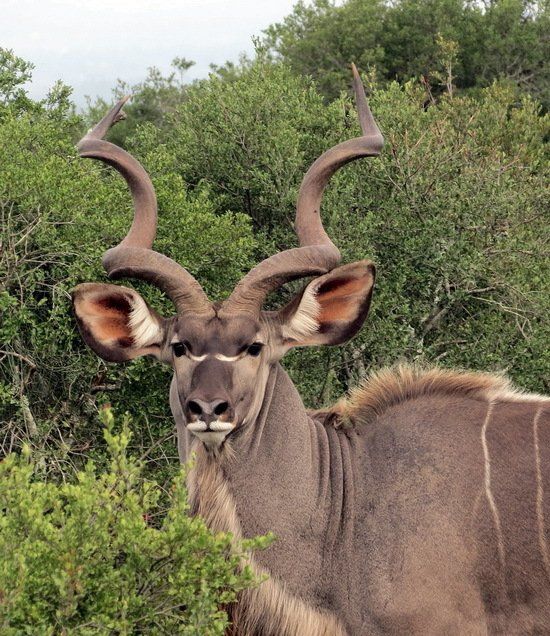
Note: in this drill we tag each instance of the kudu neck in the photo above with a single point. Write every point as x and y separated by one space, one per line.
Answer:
282 413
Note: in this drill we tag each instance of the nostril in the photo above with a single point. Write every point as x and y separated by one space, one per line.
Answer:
221 408
194 407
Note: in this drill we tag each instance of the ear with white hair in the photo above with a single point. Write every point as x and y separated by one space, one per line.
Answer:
116 322
331 309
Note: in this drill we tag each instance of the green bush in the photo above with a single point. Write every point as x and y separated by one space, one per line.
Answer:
401 40
453 213
249 138
58 214
99 555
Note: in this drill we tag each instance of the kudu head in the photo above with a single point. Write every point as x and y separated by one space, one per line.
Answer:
221 353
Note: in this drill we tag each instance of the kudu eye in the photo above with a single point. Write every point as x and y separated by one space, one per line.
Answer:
179 349
254 349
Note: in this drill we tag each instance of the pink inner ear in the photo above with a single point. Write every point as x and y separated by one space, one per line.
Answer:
108 329
340 299
107 318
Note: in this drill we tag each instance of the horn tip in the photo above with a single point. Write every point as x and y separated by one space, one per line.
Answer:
358 87
99 131
117 113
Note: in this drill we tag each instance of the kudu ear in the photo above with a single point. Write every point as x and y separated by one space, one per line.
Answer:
331 309
116 322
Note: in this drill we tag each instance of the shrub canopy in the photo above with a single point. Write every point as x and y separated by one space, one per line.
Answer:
100 556
405 39
453 214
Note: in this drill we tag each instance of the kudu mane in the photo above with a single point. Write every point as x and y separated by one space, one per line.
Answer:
394 385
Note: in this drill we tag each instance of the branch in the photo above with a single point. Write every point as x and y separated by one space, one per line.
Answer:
31 364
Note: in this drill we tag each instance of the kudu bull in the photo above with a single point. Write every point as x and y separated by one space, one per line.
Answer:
418 505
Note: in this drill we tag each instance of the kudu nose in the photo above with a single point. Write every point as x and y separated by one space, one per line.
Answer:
207 411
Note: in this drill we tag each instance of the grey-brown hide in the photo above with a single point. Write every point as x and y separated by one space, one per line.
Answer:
418 506
221 372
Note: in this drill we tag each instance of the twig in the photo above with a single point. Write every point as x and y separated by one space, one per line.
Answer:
31 364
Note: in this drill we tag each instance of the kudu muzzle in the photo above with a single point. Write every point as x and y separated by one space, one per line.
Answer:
208 409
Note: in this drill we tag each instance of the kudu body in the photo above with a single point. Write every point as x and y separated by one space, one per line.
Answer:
419 505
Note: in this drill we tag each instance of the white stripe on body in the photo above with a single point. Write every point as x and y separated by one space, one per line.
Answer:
488 492
540 496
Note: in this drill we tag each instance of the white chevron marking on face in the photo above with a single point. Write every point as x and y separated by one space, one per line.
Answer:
220 356
197 358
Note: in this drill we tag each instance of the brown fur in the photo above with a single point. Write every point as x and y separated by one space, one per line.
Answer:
337 300
268 608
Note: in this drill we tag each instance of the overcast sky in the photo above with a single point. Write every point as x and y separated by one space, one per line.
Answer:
90 44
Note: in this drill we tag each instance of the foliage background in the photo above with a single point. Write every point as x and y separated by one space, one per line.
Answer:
454 213
100 556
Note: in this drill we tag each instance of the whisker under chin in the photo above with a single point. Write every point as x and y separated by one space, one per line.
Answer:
218 426
221 426
211 435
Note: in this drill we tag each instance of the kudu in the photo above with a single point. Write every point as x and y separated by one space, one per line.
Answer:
418 505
